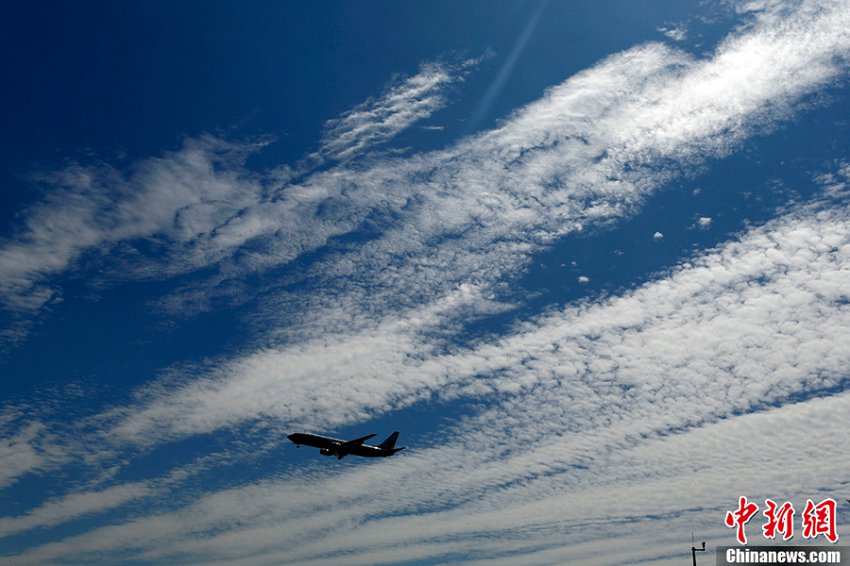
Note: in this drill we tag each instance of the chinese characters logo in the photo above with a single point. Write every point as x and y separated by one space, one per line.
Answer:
817 519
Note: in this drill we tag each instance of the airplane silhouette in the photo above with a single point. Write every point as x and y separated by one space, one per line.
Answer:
341 448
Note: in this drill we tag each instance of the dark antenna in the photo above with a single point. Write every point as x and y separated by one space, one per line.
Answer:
694 549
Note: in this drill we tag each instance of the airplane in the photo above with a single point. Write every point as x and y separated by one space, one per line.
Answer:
341 448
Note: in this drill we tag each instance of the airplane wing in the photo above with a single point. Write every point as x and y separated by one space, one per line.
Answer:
356 442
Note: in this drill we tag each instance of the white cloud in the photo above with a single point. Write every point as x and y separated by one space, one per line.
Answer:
676 33
333 380
18 453
73 506
401 105
182 196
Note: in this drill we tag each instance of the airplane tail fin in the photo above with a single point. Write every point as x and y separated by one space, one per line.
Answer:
389 443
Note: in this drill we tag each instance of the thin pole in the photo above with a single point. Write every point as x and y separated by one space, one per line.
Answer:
694 549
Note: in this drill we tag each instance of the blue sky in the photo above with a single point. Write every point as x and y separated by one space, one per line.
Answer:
592 259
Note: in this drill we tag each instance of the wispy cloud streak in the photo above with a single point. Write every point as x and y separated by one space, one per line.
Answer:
403 104
180 197
18 454
73 506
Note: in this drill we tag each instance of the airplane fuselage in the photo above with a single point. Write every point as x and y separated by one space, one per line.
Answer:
335 447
